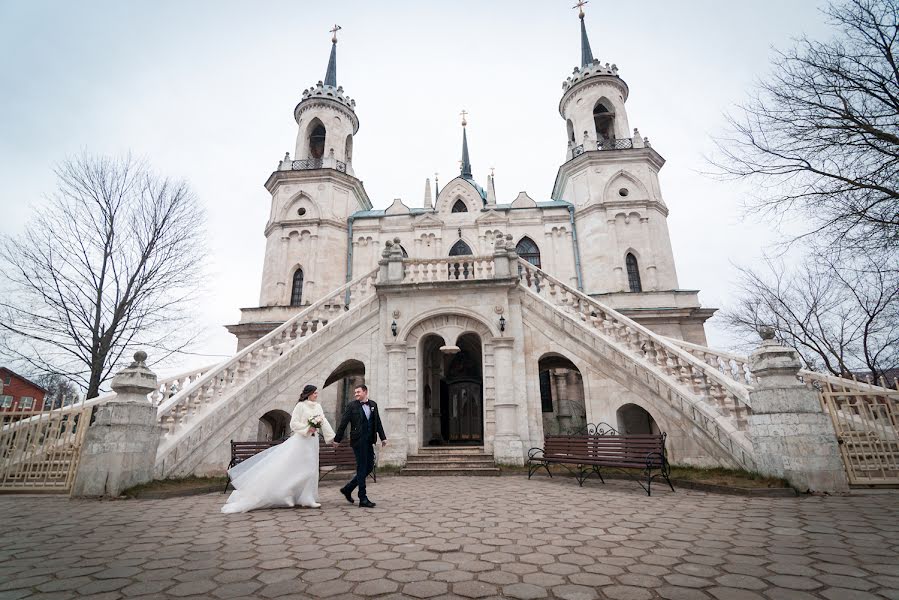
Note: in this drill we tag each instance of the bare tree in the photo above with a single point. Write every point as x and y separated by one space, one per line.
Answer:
820 136
842 317
60 391
111 262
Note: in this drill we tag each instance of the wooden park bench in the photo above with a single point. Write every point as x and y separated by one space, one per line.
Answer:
328 456
601 446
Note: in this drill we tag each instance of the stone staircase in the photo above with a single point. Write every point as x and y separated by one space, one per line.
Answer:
459 460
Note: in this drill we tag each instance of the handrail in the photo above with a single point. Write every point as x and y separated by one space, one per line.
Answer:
264 342
740 390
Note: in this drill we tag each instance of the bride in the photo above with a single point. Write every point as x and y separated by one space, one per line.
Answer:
286 474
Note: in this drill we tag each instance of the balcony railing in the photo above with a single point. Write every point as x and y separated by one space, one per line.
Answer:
317 163
453 268
613 144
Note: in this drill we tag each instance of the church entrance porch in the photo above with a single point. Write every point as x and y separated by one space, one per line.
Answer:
452 389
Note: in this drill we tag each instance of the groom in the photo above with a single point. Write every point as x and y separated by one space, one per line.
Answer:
365 423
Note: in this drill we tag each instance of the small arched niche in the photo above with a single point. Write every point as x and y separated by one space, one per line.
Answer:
604 121
633 419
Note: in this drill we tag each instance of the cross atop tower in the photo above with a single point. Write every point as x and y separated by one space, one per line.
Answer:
580 6
464 113
334 31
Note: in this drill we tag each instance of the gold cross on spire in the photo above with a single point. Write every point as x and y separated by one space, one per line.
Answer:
334 32
464 113
580 6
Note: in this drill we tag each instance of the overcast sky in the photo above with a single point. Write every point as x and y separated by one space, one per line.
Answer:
206 89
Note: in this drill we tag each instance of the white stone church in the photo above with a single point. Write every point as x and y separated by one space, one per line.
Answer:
475 323
604 232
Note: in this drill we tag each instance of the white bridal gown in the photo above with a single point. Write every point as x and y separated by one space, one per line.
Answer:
283 475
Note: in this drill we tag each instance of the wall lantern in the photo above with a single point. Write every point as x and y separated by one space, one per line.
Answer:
502 324
394 329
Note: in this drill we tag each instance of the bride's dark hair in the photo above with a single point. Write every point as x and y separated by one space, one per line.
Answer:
307 391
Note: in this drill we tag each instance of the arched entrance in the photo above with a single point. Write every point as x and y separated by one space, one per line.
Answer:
452 391
337 390
561 396
273 425
635 419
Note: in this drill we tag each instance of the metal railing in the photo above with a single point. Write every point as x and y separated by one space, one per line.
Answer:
316 163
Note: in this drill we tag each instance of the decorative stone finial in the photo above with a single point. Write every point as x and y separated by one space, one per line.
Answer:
766 332
135 381
396 241
388 243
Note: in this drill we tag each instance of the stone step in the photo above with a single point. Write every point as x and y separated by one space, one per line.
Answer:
471 457
451 450
450 471
450 464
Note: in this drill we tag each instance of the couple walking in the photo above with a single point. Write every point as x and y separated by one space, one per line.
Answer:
287 474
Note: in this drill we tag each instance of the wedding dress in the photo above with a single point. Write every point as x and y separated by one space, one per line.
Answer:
285 475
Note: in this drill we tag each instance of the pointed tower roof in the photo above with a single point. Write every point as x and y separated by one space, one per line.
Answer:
466 163
586 52
331 73
427 202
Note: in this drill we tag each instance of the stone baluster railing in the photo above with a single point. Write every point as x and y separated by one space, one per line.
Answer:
214 384
728 395
453 268
730 365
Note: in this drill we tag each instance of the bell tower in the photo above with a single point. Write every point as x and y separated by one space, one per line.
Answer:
610 175
313 196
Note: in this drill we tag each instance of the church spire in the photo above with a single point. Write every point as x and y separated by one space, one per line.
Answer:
331 73
586 52
466 163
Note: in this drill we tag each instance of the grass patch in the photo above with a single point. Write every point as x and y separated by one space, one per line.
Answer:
735 478
174 485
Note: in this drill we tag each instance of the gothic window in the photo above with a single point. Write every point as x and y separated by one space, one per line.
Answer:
570 132
317 141
633 273
529 251
296 292
546 392
405 254
459 206
602 121
349 149
460 248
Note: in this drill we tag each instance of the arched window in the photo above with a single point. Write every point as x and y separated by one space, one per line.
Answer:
460 248
349 148
317 141
296 292
405 254
459 206
570 131
529 251
633 273
602 121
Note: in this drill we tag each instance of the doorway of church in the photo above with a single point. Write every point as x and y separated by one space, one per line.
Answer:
453 406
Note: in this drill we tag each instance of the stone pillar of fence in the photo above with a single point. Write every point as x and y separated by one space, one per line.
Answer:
391 263
119 449
792 437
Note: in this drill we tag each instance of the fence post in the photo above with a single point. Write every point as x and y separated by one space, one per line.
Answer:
792 437
119 449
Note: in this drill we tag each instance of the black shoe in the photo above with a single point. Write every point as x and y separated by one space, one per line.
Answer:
348 495
366 503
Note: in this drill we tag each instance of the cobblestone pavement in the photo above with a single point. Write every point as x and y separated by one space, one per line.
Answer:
458 538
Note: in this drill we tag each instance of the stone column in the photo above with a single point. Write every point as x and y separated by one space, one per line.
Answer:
500 258
792 437
507 445
393 260
119 448
396 408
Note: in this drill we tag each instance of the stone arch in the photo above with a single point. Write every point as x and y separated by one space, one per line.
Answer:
460 248
623 179
563 406
448 324
528 249
337 389
633 418
604 120
458 189
315 137
300 200
273 426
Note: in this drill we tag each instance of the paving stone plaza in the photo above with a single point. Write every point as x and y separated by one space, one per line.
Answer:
462 537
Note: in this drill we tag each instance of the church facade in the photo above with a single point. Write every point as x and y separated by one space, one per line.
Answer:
452 347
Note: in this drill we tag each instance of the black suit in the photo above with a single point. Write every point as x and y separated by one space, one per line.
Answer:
364 431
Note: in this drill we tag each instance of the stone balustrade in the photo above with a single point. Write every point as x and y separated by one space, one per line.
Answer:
730 365
729 396
215 384
453 268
